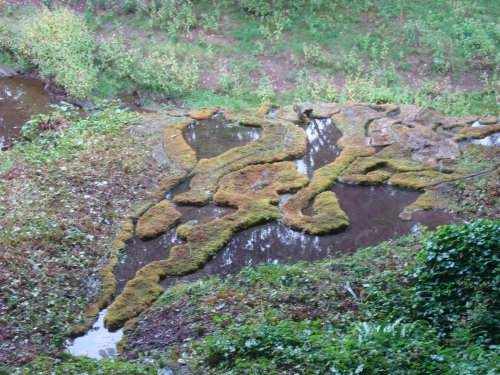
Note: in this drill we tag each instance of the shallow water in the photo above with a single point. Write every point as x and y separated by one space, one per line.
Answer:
373 215
322 137
20 98
98 342
215 136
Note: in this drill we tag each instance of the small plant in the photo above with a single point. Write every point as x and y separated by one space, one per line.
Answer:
171 15
265 91
274 26
164 72
313 53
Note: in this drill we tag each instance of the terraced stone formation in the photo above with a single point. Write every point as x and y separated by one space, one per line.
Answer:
404 146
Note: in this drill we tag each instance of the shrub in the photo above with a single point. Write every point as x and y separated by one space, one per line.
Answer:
170 15
61 46
164 72
313 53
474 39
457 276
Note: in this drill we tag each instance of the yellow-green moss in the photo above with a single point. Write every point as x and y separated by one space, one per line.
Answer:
126 231
203 113
476 132
378 168
424 202
252 190
488 120
141 209
328 217
180 154
157 220
265 108
420 180
323 179
280 140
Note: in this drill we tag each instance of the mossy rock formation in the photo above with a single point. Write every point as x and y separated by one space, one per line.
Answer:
253 191
280 140
157 220
405 146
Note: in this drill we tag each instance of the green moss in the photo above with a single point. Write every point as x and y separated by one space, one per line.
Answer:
421 180
280 140
253 191
323 179
157 220
476 132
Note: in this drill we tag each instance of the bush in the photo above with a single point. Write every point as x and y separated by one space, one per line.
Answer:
163 72
61 46
457 276
170 15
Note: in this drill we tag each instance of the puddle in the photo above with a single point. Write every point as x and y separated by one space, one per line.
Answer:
19 99
139 253
215 136
98 342
322 137
492 140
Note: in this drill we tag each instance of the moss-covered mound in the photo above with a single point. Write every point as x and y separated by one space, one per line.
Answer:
157 220
323 179
253 190
280 140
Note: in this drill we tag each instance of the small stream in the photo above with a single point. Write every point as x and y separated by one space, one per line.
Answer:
373 213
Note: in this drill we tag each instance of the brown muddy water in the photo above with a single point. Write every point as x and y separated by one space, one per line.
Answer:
373 213
20 97
215 136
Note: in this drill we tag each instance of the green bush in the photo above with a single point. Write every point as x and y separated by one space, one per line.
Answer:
61 46
170 15
457 276
82 365
163 72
